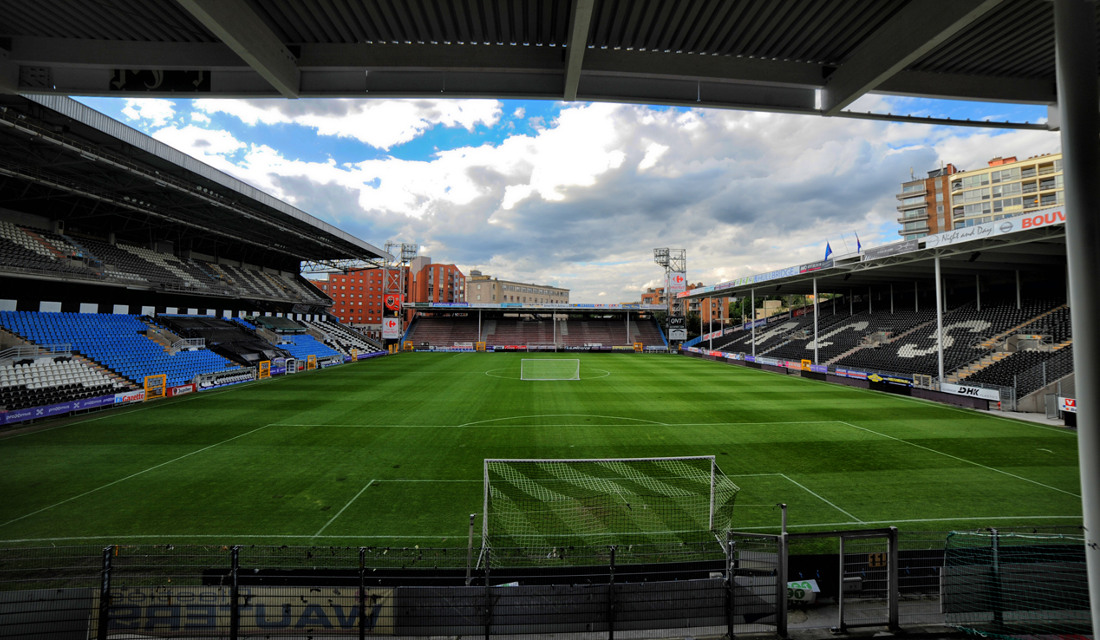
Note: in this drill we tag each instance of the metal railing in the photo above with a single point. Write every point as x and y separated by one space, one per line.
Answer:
842 579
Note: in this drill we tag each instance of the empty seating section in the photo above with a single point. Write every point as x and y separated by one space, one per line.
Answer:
122 264
445 332
190 276
280 324
969 334
648 333
25 249
838 335
37 250
226 338
342 337
1055 326
767 337
302 346
1025 370
118 342
522 331
49 380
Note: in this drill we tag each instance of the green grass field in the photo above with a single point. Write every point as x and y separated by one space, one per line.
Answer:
390 451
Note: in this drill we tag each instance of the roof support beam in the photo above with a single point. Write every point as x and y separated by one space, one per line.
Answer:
916 29
580 21
245 33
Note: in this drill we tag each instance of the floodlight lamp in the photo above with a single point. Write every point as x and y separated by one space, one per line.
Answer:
409 251
660 256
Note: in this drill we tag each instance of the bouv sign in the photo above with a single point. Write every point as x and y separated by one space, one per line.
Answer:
393 301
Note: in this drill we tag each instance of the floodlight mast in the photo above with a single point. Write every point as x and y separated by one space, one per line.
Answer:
674 261
393 274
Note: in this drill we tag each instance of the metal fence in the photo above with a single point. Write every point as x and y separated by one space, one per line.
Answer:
749 583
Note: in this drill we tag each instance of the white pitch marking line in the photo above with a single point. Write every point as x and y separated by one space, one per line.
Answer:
233 536
132 475
819 497
480 424
953 457
333 518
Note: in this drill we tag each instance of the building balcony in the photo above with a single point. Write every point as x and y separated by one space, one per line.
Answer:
912 205
913 217
912 192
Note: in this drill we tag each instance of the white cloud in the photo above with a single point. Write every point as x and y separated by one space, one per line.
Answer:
581 200
152 111
382 124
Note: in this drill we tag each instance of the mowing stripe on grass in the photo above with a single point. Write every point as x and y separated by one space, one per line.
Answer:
561 415
925 402
954 457
807 490
330 521
132 475
555 424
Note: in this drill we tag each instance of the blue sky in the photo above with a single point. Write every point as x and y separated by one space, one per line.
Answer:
577 195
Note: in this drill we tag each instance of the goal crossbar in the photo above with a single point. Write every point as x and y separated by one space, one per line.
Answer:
546 501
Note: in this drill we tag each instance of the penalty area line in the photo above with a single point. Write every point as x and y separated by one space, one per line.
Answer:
333 518
954 457
819 497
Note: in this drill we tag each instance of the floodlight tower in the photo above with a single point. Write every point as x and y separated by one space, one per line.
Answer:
675 263
393 273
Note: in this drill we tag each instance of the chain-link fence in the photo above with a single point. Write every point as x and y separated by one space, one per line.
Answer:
748 583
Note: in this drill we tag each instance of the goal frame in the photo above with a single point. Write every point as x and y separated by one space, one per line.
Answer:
486 491
576 361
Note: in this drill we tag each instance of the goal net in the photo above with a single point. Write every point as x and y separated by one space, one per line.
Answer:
562 503
549 369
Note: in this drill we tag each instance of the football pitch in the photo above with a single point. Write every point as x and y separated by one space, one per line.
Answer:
389 451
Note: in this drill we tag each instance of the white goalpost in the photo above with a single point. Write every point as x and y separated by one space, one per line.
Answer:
549 369
552 503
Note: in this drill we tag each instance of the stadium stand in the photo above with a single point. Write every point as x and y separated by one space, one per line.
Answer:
445 331
278 323
970 334
229 339
303 345
52 379
116 341
1017 370
840 335
28 249
342 338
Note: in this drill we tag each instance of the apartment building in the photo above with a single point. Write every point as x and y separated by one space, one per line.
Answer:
953 199
483 288
1007 187
924 204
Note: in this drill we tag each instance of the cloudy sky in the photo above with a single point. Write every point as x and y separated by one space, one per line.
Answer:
578 195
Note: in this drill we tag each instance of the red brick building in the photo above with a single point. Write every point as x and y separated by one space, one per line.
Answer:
358 295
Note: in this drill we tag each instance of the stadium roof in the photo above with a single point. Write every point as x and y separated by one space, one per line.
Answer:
66 162
798 56
992 248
